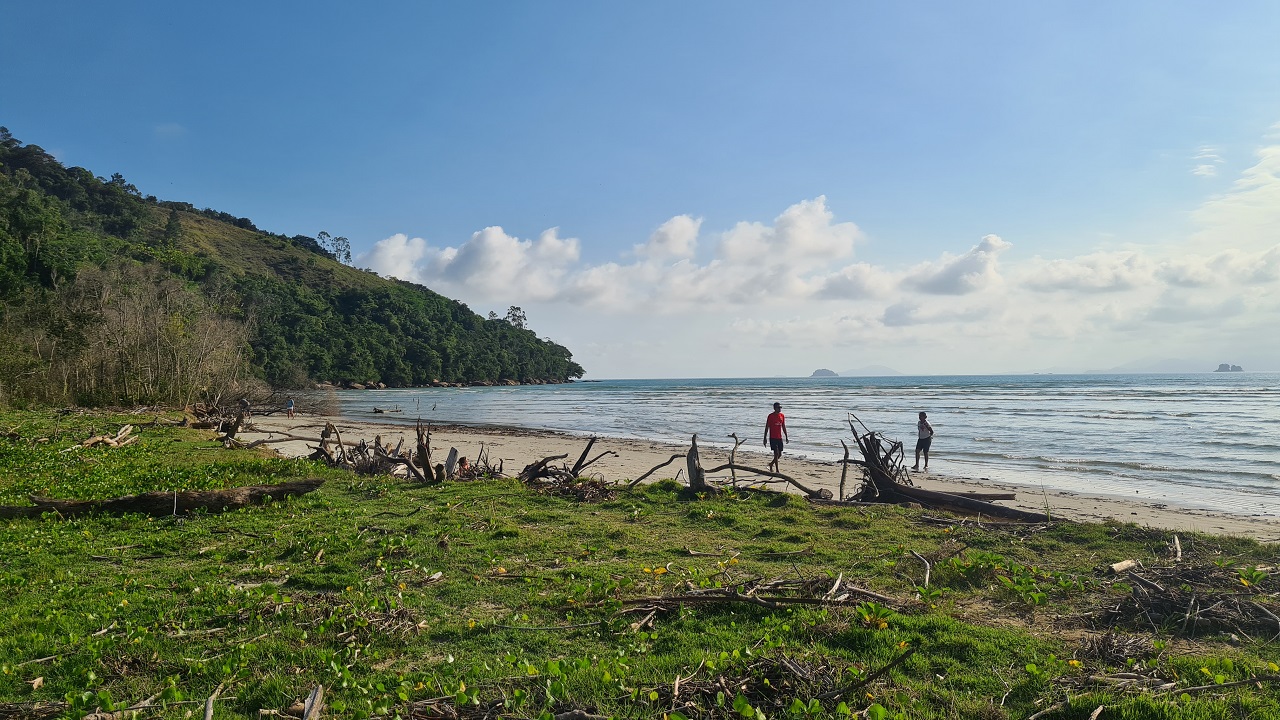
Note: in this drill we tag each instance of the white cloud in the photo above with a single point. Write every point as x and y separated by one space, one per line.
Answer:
1095 272
802 234
758 297
1247 215
1207 161
675 238
860 280
490 262
971 272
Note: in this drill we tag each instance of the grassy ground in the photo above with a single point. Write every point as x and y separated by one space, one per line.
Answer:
484 597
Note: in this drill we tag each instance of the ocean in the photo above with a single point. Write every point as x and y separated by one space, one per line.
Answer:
1205 440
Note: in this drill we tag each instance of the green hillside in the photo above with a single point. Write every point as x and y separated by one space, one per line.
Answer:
110 296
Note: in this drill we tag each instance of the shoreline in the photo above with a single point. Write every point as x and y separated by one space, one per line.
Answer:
517 447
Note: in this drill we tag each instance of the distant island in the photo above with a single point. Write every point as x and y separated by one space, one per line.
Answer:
1225 367
823 372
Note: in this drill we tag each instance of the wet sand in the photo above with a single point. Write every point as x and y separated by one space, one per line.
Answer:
517 447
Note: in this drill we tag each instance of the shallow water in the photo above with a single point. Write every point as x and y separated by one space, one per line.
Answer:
1207 440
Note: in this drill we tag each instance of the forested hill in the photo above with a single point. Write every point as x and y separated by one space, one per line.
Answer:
110 296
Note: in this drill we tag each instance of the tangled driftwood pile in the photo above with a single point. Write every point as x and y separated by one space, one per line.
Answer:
885 479
1189 599
566 480
122 438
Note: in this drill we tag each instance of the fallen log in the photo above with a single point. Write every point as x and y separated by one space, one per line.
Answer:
162 503
886 480
961 504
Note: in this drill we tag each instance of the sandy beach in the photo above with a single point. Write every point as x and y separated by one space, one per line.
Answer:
516 447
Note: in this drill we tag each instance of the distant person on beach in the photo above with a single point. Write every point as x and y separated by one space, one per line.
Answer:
924 435
288 407
775 430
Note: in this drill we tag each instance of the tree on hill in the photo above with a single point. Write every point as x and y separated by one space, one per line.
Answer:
294 313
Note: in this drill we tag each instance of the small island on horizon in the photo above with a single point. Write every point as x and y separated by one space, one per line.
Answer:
1227 367
823 372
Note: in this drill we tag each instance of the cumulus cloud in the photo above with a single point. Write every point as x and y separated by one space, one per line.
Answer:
971 272
490 261
1095 272
753 290
675 238
788 260
802 234
852 282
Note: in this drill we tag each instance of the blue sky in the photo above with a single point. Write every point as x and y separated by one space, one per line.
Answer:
1073 132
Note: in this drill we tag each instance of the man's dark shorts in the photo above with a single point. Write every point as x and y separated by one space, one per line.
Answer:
775 444
923 444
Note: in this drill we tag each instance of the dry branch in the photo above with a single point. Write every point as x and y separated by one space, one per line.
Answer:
655 469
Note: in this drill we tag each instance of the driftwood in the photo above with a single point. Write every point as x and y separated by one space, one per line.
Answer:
655 469
162 503
820 493
566 480
697 478
886 480
122 438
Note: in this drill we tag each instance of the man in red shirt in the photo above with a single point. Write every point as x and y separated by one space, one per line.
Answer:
775 430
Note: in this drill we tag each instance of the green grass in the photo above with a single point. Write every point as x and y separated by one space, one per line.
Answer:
338 588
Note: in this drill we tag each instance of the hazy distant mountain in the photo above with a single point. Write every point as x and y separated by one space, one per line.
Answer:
869 371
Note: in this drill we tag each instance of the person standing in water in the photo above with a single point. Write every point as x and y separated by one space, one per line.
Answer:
924 435
775 431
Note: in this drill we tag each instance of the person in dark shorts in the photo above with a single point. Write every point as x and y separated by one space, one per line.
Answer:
775 432
924 435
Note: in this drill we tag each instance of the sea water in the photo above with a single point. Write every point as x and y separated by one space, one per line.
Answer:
1207 440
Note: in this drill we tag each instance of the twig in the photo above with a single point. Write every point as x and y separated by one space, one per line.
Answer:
40 660
1237 683
1050 710
548 627
868 679
927 567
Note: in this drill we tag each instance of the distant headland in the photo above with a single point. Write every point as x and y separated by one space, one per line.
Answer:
1226 367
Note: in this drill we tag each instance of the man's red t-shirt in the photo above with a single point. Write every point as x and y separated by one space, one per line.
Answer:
775 422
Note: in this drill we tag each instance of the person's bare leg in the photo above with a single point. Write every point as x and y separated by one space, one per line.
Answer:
917 465
926 459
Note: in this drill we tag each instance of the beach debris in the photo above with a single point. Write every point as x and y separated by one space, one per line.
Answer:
1122 566
885 479
566 480
122 438
1195 598
162 503
697 475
